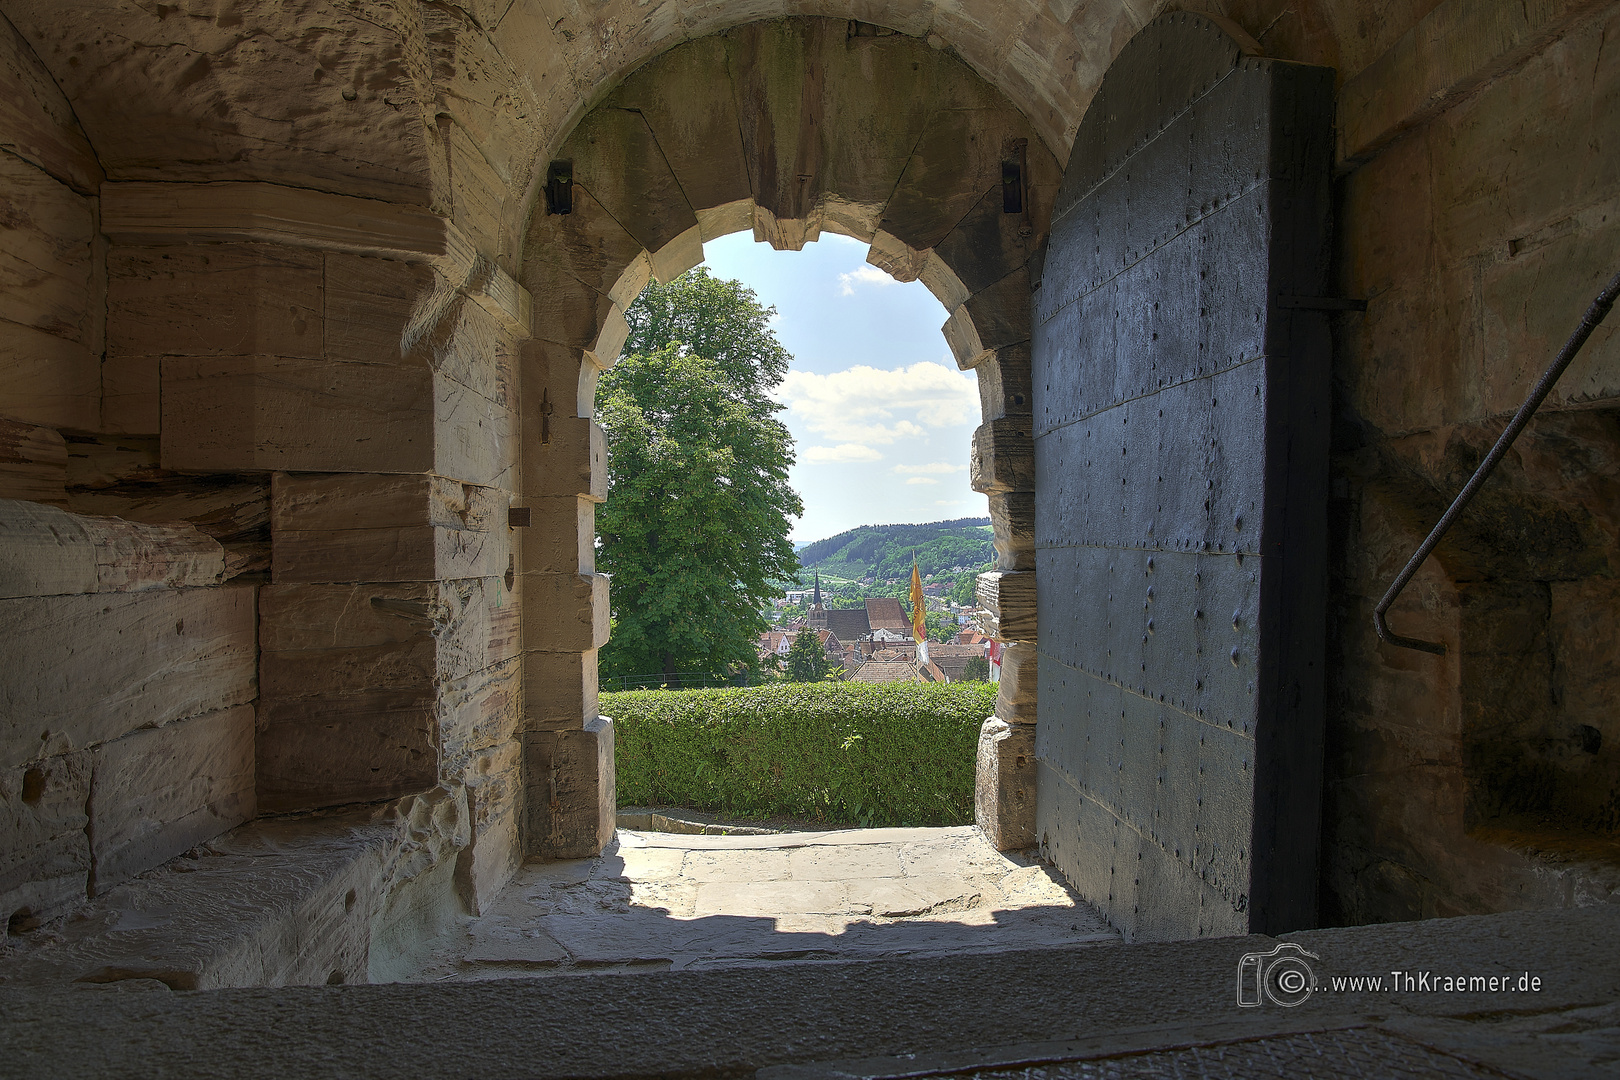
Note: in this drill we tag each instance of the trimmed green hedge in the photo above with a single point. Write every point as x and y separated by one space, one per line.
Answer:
896 754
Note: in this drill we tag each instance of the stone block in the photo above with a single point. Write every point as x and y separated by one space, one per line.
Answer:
368 305
33 463
83 670
44 850
1003 456
1012 525
1005 384
556 375
131 401
215 300
609 344
381 527
354 748
46 254
694 119
569 790
561 537
263 413
564 612
559 689
494 783
473 435
1019 675
49 380
617 159
573 461
1004 785
45 550
159 791
479 712
1009 596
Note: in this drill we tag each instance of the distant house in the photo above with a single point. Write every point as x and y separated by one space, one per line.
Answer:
850 624
952 659
885 613
886 671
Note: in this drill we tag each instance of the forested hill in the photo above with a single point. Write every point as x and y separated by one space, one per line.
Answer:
884 551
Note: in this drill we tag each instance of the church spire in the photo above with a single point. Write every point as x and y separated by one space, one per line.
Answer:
815 599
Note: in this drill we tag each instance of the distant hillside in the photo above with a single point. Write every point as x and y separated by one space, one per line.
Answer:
884 551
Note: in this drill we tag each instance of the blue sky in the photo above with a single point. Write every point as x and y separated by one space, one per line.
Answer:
882 418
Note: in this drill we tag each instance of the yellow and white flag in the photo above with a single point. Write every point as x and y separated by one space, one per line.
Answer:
919 614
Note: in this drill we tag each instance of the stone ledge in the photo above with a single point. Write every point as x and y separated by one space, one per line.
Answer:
276 902
734 1022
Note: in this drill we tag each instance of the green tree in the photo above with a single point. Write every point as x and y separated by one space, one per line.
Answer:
695 527
806 658
977 669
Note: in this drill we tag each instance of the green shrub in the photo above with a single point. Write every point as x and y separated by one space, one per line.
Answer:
896 754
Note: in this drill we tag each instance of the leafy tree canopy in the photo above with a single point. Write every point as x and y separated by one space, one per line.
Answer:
806 658
696 522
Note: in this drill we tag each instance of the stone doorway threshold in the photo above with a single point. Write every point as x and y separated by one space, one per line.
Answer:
658 901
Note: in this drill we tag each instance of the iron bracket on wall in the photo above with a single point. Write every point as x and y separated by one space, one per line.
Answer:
560 187
1589 322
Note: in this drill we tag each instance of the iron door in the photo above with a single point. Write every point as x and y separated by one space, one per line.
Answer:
1181 436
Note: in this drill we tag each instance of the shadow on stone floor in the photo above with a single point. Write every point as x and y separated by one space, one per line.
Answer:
661 901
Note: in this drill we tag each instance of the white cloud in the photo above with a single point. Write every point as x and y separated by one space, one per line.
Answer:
936 468
922 480
869 406
823 455
865 274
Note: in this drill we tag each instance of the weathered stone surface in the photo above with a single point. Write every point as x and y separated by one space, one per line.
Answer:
559 689
131 402
617 159
694 119
279 901
37 122
33 463
263 413
49 380
44 850
215 300
159 791
1012 521
564 612
1004 456
368 303
561 538
1019 674
47 551
354 748
1005 786
1004 383
1009 596
1454 49
493 852
233 511
572 463
368 527
569 790
83 670
47 254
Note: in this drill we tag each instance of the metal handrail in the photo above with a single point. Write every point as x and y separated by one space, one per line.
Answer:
1589 322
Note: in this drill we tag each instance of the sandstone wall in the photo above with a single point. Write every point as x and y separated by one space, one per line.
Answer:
126 703
284 272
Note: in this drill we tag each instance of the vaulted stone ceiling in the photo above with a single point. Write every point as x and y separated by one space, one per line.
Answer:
447 104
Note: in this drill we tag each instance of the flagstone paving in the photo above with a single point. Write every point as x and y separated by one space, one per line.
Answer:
661 900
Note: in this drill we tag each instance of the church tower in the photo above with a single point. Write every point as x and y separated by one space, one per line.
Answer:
818 615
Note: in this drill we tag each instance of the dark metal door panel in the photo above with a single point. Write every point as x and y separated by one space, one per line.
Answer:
1181 465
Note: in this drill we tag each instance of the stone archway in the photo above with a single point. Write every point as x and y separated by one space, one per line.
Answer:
883 139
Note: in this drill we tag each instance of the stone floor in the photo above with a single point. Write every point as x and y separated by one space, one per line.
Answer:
669 901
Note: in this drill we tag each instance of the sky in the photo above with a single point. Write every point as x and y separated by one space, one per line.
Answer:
882 419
